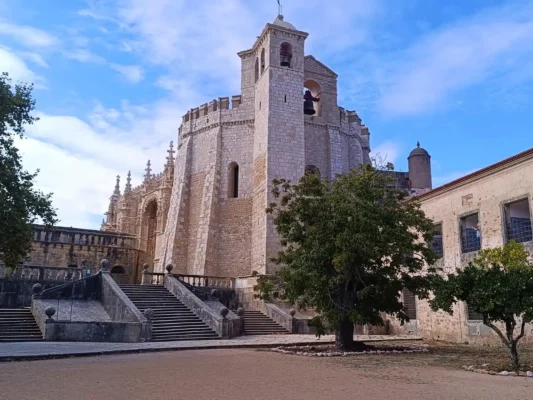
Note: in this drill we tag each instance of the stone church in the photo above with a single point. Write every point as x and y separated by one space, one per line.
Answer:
205 213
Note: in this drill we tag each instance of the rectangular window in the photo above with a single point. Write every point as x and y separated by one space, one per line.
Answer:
472 315
436 242
409 302
470 233
56 236
518 221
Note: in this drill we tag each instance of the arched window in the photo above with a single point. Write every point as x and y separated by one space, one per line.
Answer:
285 55
262 61
233 180
311 169
256 68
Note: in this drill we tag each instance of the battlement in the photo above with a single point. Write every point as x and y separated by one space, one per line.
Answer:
216 105
349 116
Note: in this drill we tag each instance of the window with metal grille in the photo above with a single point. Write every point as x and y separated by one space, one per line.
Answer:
436 242
56 236
470 233
518 221
472 315
409 302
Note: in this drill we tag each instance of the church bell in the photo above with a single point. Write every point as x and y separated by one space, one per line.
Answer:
285 60
309 108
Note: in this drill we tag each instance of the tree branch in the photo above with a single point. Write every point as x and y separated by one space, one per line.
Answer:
522 330
495 329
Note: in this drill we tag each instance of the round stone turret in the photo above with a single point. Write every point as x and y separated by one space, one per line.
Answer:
419 168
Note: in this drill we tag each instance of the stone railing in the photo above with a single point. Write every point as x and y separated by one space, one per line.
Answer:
213 313
151 278
78 321
206 281
40 273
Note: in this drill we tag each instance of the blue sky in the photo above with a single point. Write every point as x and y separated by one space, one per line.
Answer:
113 78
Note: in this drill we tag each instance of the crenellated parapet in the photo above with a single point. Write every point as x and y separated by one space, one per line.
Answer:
217 111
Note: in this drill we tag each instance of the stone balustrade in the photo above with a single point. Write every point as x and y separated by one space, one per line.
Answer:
38 273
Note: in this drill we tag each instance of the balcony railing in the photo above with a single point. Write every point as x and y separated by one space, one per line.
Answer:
519 230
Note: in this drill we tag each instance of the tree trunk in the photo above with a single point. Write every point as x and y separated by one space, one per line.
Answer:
344 336
514 354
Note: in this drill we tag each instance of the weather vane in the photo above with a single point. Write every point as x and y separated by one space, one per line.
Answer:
280 8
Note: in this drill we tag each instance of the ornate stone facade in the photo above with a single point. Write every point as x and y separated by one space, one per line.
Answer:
142 211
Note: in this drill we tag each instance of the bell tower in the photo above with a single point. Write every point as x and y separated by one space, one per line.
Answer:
279 147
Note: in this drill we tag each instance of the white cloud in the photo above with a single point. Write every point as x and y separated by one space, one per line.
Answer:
17 68
28 36
387 151
132 73
78 160
457 56
84 56
34 58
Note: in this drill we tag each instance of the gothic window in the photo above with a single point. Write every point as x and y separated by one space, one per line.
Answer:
262 61
256 69
285 55
233 180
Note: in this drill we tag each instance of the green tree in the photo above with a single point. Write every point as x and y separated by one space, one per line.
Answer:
498 284
20 203
349 247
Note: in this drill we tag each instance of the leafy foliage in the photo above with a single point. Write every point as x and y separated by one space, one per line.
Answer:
20 203
348 249
499 286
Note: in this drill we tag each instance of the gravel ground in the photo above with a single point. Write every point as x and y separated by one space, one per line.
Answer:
249 374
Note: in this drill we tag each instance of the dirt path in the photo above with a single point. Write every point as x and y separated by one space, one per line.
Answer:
247 374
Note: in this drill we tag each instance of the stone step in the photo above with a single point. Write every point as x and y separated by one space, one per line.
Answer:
172 319
181 324
266 327
261 333
173 337
181 331
151 296
17 338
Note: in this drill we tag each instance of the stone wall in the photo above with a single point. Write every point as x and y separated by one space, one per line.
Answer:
485 192
262 130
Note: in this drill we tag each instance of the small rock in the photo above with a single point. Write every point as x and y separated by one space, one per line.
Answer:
484 365
512 373
529 374
504 373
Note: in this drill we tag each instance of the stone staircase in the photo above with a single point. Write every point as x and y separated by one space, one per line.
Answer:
18 325
257 323
172 319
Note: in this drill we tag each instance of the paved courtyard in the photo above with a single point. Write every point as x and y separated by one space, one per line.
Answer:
248 374
39 350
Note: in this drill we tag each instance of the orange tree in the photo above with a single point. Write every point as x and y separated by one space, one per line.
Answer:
498 284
